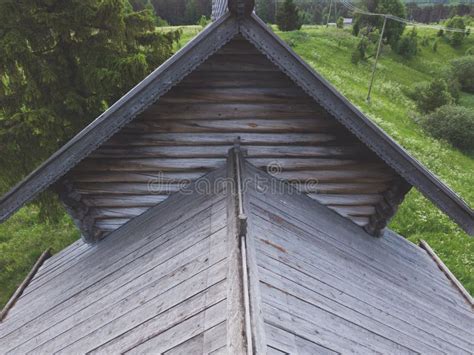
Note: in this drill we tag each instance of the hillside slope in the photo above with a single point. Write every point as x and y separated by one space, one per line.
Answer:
329 50
24 237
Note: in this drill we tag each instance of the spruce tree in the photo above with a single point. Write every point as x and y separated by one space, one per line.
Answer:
62 63
288 17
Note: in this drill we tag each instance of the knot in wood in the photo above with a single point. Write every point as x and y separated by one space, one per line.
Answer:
241 8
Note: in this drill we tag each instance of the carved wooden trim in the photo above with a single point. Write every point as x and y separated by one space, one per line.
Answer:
388 207
78 210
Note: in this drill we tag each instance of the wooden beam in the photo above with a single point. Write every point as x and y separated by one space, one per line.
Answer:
11 302
447 272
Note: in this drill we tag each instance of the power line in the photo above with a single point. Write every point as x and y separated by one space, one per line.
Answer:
355 9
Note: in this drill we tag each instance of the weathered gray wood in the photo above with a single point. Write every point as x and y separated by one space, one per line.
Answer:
237 341
296 125
221 151
168 218
375 320
448 273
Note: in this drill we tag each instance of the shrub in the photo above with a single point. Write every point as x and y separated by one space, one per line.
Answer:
356 28
359 52
288 17
452 123
470 51
456 38
408 45
340 22
463 70
204 21
428 96
440 33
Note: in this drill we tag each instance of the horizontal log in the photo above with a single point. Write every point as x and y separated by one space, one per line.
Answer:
363 171
128 188
164 165
222 151
343 188
234 95
150 165
232 111
238 47
109 225
124 201
347 200
246 62
234 126
360 221
167 177
214 139
236 79
117 213
347 211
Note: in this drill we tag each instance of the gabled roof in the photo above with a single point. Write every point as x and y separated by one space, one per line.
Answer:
174 279
184 62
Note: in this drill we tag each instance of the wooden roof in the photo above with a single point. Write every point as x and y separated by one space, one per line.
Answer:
240 267
186 61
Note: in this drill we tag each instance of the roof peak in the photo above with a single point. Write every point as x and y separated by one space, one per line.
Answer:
240 8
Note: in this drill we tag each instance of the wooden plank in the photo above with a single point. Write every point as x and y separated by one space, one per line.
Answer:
247 62
133 311
235 95
171 139
361 314
125 201
205 343
169 219
160 331
186 329
347 279
236 79
380 264
244 125
318 333
222 150
228 110
448 273
180 259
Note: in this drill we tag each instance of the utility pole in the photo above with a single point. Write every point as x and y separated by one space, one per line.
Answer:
377 57
329 14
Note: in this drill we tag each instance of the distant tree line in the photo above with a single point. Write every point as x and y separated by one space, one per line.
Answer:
176 12
438 12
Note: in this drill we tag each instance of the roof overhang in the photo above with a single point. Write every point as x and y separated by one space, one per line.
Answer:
211 39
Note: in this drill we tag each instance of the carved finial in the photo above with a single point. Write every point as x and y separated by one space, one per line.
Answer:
241 7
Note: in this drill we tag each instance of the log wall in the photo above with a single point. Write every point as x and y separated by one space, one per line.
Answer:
236 95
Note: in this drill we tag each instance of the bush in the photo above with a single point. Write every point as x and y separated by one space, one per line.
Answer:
340 22
463 71
452 123
407 47
470 51
456 38
428 96
359 52
288 17
204 21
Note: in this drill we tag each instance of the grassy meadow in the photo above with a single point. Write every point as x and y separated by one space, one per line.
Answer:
24 237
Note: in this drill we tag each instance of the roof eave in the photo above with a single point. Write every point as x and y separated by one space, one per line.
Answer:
160 81
257 32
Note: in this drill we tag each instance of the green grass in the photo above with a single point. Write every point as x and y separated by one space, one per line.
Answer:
329 52
24 237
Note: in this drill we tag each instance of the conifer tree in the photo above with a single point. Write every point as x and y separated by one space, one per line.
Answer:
61 64
288 17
